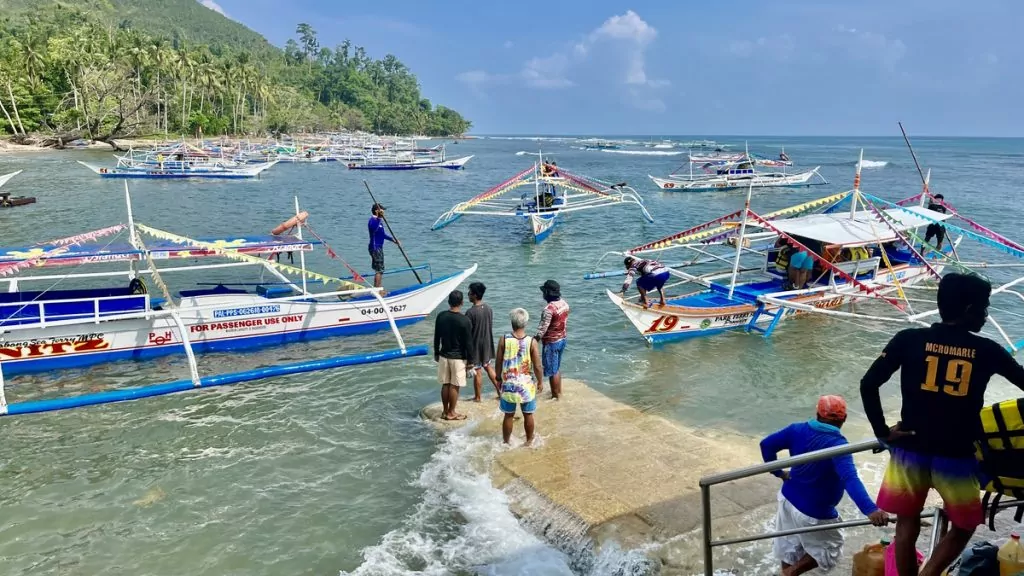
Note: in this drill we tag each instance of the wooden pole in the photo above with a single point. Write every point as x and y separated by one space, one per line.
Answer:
392 232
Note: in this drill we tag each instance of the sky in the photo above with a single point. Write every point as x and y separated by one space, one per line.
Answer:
682 67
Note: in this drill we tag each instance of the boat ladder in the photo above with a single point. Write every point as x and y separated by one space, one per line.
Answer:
776 316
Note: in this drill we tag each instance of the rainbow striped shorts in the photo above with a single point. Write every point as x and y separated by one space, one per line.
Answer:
910 475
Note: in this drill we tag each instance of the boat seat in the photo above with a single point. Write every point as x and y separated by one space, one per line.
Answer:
23 308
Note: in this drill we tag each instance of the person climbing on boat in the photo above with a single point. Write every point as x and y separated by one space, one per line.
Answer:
801 264
452 336
378 234
649 274
810 492
782 254
481 344
519 376
551 333
934 230
944 371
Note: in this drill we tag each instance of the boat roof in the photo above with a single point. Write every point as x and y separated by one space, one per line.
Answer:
158 250
864 228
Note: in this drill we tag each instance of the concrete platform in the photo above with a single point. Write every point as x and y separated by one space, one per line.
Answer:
602 473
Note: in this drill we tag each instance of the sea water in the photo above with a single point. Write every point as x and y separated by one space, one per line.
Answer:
334 472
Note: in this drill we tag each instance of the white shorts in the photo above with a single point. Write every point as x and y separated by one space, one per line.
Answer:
451 371
826 546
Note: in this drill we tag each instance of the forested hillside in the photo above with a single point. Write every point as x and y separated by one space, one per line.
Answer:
103 69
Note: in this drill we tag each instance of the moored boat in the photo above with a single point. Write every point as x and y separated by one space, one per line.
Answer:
9 201
555 191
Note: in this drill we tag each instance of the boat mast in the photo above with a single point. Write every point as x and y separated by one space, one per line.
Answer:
302 253
536 178
924 189
856 186
739 240
133 239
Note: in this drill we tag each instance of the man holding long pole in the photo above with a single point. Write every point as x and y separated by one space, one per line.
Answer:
377 237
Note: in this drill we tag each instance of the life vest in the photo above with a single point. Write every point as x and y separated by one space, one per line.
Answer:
1000 454
859 253
782 259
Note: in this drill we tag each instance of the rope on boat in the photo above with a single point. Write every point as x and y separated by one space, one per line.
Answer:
156 275
331 253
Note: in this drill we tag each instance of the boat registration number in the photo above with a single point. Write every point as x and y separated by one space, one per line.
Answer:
380 310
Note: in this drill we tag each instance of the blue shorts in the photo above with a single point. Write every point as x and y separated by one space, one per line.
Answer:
653 282
801 261
552 357
510 408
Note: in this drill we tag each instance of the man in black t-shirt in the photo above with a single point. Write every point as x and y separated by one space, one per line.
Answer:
452 335
936 230
945 370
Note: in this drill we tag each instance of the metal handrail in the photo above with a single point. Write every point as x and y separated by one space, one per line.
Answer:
939 520
708 481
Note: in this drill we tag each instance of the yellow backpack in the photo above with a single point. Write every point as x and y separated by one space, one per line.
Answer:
1000 454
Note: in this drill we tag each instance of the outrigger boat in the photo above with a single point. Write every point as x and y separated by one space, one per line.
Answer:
555 192
869 252
416 159
737 172
177 162
8 201
48 329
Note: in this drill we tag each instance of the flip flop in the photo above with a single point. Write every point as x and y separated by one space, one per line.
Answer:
459 417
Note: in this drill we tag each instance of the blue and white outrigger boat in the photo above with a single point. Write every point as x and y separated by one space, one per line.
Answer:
54 328
178 162
555 191
724 172
864 248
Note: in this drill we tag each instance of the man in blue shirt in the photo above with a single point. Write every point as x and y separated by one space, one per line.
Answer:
810 492
378 234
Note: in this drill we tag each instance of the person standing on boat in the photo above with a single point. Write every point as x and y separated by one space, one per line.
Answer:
652 276
452 335
481 344
944 371
378 234
551 333
936 230
519 376
810 492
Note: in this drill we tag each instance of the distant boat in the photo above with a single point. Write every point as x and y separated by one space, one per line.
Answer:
416 159
8 201
177 162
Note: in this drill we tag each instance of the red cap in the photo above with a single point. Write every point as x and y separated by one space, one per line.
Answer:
832 407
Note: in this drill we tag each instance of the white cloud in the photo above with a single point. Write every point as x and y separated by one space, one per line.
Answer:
618 48
212 5
871 46
778 48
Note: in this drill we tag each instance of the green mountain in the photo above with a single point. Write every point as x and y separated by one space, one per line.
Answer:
186 20
103 69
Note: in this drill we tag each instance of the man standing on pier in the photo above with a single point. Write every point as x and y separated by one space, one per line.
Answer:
810 492
377 237
451 342
944 371
551 334
481 345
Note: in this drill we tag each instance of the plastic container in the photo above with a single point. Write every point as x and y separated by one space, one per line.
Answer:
1011 557
890 560
871 560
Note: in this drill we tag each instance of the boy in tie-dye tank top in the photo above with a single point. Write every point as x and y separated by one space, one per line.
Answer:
519 375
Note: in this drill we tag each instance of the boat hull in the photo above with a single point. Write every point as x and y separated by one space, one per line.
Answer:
457 164
224 323
252 171
670 323
725 184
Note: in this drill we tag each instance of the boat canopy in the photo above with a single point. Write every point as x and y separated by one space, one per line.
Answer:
863 228
56 254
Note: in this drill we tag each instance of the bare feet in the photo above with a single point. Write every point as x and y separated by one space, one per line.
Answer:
477 399
453 416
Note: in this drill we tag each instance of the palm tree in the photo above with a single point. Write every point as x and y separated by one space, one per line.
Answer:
185 66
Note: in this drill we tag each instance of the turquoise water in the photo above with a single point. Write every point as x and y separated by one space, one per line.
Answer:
321 473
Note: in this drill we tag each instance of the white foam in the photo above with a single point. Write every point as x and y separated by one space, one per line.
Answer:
874 163
462 523
647 152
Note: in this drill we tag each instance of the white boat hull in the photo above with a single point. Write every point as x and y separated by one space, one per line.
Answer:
723 183
214 323
662 324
